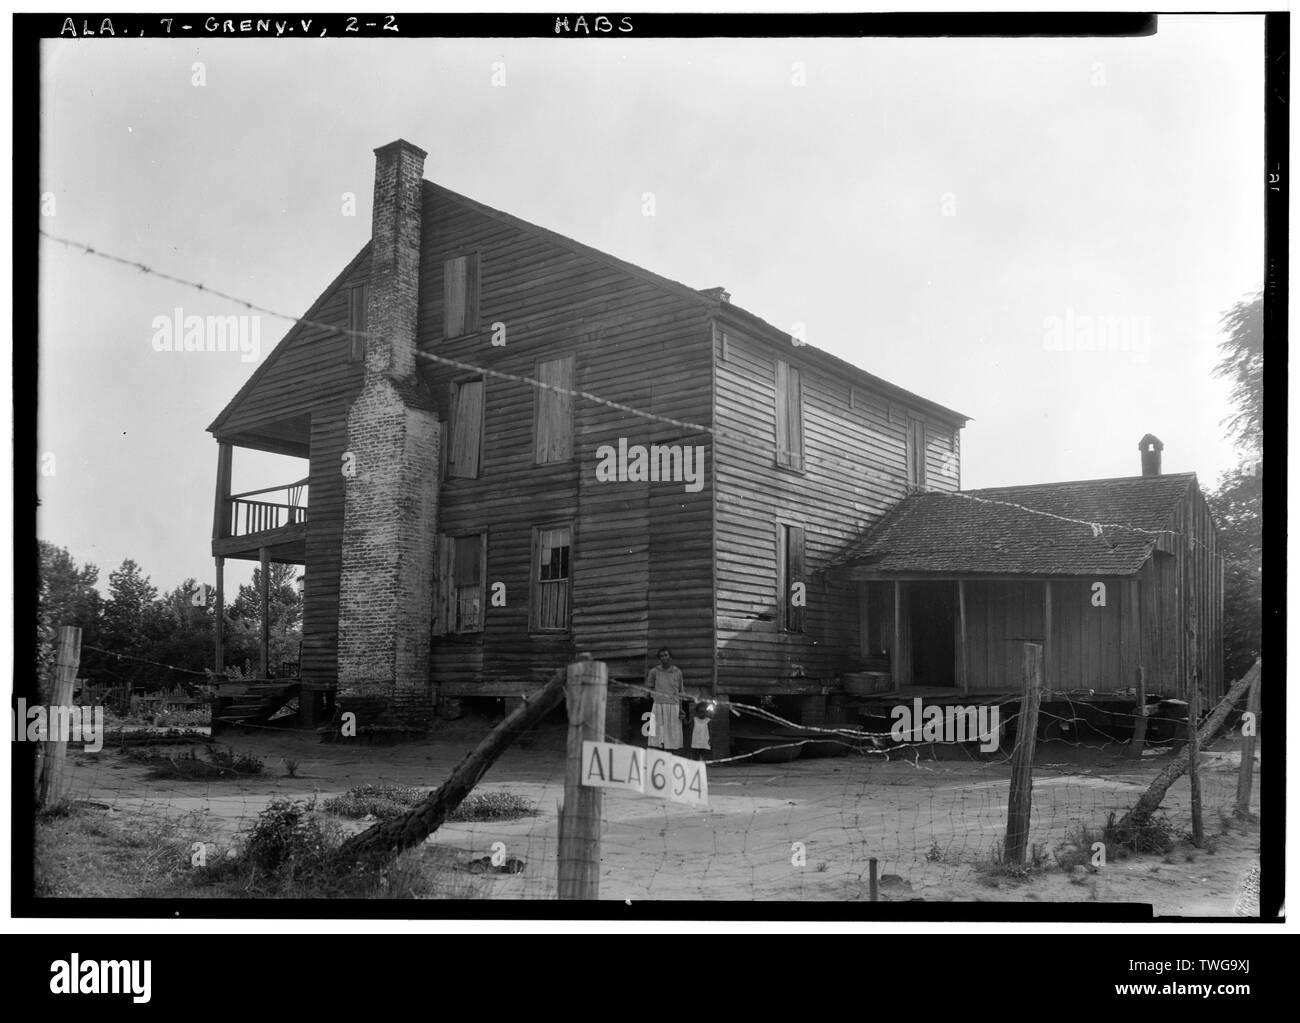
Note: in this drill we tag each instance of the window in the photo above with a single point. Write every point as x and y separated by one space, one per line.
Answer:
552 547
793 587
789 416
357 322
916 453
462 565
553 419
466 451
460 295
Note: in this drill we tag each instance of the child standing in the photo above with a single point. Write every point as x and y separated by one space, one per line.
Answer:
700 729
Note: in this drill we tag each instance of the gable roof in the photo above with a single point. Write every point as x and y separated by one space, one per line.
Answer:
1027 530
708 298
286 342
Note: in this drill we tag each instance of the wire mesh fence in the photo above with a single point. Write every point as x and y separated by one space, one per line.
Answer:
932 814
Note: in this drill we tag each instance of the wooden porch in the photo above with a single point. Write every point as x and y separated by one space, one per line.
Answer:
267 525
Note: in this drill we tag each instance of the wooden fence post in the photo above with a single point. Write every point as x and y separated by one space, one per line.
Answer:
1246 773
55 750
873 881
1020 800
1140 717
581 813
1194 759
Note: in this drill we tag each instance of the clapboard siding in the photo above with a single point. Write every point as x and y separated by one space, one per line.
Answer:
309 370
320 617
854 470
641 564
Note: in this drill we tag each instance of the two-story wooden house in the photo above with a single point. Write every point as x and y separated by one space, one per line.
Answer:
520 448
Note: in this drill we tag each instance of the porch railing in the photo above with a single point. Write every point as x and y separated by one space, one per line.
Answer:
248 516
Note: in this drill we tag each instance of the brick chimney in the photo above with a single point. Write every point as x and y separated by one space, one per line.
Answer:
391 499
1150 446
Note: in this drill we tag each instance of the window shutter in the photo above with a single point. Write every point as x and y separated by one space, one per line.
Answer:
466 431
782 413
357 322
554 417
444 587
454 280
794 418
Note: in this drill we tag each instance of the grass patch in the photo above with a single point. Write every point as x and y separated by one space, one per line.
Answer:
1157 835
1076 850
384 802
87 853
216 763
492 806
289 853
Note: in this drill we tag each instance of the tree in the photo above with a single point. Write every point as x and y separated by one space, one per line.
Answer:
66 595
284 606
1242 361
185 637
132 621
1237 504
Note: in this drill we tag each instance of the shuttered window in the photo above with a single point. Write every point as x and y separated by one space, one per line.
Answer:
466 450
460 295
357 322
789 416
553 426
794 586
459 591
916 453
552 548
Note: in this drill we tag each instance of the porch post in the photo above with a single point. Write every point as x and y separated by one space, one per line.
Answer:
221 616
221 506
961 617
266 625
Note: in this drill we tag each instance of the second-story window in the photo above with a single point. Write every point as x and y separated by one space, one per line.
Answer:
916 453
789 416
460 295
553 426
357 322
465 454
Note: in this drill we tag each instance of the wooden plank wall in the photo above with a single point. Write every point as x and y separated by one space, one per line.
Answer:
639 577
314 370
324 548
1087 641
854 471
1000 617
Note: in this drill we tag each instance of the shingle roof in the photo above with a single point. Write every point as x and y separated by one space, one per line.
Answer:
1004 531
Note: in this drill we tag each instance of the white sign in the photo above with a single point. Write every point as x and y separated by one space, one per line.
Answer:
652 772
676 778
610 765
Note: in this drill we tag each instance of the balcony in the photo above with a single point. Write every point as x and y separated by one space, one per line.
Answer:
271 520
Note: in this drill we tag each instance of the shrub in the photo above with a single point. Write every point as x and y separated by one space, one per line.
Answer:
492 806
384 802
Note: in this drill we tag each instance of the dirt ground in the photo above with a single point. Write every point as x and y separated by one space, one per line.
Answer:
798 831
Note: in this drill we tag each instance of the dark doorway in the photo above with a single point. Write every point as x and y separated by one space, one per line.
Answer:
934 647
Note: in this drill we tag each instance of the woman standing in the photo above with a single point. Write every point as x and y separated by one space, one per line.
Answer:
665 680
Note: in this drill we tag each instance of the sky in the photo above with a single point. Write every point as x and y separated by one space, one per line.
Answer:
947 214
